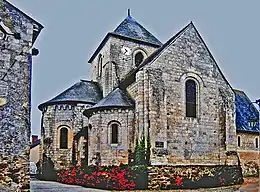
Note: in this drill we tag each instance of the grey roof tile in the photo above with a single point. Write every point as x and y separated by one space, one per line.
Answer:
116 99
81 92
243 113
131 28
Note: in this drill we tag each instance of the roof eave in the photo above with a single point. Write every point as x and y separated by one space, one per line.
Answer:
121 37
248 131
70 102
88 112
27 16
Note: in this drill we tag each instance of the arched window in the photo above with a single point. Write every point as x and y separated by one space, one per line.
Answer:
191 98
63 138
139 57
256 142
100 65
238 141
114 133
106 79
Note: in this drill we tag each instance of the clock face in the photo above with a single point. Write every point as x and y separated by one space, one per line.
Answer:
126 50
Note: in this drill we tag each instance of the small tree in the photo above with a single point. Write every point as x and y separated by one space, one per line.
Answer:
142 154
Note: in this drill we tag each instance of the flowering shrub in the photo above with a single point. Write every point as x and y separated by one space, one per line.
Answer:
112 177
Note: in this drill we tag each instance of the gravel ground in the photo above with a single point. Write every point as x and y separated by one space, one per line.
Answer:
49 186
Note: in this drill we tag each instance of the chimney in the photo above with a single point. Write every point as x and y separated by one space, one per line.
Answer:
34 138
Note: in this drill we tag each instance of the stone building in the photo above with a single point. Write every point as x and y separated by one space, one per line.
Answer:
247 134
173 93
18 33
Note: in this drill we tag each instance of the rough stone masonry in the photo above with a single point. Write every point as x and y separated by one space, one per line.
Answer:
17 35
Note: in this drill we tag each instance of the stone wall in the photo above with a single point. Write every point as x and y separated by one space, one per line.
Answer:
193 177
100 136
54 118
248 153
160 105
15 95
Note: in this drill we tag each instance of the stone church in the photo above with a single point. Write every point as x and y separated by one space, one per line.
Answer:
173 93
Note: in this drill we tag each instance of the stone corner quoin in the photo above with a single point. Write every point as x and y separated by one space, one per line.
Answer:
18 32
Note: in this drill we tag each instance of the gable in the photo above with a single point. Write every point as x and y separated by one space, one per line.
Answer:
187 39
187 50
16 20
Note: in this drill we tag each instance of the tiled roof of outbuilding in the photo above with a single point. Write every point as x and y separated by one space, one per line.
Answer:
81 92
131 28
116 99
243 113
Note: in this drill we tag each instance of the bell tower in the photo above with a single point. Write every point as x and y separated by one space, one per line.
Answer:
120 52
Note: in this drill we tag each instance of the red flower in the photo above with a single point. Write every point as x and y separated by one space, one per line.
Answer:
221 180
178 181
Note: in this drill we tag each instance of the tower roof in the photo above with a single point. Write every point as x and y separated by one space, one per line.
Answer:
129 27
116 99
243 113
81 92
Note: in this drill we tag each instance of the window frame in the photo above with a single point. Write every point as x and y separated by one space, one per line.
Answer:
196 97
135 52
61 142
114 133
239 141
110 132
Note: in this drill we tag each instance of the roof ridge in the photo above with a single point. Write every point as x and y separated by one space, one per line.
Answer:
151 57
25 14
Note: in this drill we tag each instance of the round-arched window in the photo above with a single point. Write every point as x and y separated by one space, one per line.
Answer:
114 133
139 57
63 138
191 98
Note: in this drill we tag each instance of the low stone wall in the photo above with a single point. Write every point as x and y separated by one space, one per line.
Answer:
14 173
193 177
250 162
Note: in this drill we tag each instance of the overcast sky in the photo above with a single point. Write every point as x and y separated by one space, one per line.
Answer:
73 30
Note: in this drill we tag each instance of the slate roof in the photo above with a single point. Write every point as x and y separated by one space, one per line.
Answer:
116 99
130 29
243 113
81 92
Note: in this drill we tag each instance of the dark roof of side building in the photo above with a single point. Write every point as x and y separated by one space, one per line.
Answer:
245 111
116 99
81 92
35 143
130 29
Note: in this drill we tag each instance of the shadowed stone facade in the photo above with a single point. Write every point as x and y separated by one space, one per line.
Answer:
18 33
175 93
